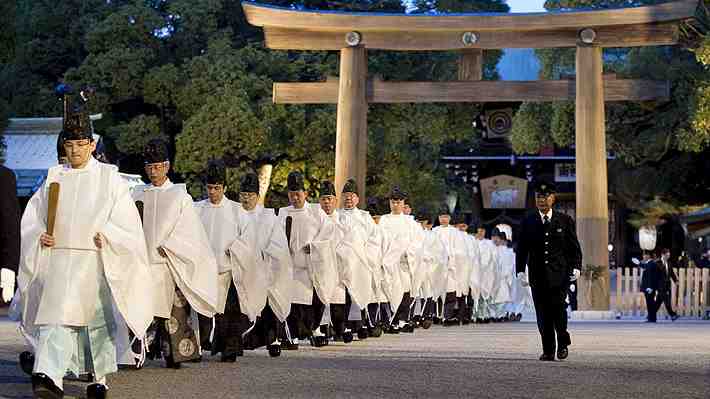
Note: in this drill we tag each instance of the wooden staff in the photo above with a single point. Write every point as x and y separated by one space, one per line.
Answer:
52 207
139 205
289 221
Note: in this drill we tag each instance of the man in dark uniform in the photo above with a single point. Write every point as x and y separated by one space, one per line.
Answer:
548 246
9 233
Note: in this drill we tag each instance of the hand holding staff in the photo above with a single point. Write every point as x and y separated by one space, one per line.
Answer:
47 239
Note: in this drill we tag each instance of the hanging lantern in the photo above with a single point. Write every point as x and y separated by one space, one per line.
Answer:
451 199
647 238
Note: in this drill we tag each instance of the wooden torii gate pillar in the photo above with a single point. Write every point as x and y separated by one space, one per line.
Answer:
588 31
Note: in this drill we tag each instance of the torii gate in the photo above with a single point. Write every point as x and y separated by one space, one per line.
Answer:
352 33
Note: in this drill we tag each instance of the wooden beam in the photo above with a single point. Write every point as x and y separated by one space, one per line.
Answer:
469 91
329 21
618 36
592 211
351 135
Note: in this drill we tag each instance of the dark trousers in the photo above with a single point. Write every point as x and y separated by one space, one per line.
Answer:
664 298
454 306
403 309
551 317
272 328
429 308
303 319
339 315
206 324
651 305
230 325
378 313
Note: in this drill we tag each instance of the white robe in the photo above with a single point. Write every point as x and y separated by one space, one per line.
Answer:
261 264
170 222
399 257
376 246
457 264
433 264
317 270
55 282
353 261
487 269
504 274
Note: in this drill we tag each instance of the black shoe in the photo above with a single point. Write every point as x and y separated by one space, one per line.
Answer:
407 328
437 320
362 334
562 353
426 324
466 322
170 363
674 317
96 391
650 321
547 357
27 362
319 341
392 330
451 322
274 350
375 332
228 357
289 346
196 360
348 337
44 388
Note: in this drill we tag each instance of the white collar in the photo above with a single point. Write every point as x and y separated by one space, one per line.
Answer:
548 214
166 185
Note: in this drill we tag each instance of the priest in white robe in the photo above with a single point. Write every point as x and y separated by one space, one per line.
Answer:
433 261
182 262
473 258
260 260
457 253
505 272
315 277
219 218
486 275
72 271
366 263
399 260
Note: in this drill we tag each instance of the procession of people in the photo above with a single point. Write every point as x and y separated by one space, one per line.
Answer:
112 275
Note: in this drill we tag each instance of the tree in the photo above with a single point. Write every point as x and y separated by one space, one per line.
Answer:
661 142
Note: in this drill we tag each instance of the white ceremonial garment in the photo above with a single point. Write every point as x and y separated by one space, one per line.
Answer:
170 222
55 283
220 223
504 274
353 261
473 258
376 246
404 238
434 265
311 227
261 265
457 252
487 269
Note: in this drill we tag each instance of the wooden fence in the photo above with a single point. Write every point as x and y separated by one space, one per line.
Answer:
690 297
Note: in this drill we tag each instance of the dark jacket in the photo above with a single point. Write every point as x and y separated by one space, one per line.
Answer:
665 277
649 279
550 252
9 221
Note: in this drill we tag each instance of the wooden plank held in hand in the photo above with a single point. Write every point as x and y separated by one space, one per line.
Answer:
139 206
52 207
289 222
619 277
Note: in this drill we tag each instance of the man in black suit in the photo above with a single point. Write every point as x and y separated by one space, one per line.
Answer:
649 285
548 246
665 276
9 233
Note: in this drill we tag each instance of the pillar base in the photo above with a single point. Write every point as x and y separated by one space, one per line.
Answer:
593 315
